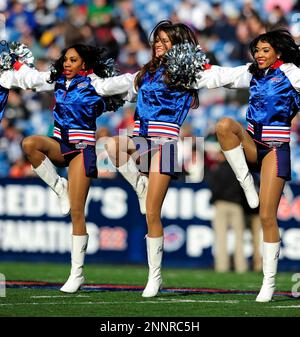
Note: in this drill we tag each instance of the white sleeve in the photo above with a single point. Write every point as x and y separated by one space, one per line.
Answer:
215 77
26 78
115 85
7 78
292 72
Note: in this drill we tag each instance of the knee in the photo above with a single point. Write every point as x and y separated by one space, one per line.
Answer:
267 220
224 126
152 217
28 144
77 215
112 147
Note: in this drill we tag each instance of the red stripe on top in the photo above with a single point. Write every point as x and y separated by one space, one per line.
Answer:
275 131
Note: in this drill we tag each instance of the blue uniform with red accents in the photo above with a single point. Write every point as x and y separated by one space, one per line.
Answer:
160 109
273 103
3 100
160 112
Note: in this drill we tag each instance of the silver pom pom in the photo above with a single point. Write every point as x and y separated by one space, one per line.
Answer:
22 53
6 59
184 64
110 68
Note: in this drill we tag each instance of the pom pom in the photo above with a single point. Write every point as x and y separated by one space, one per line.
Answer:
108 68
22 53
6 59
12 52
184 64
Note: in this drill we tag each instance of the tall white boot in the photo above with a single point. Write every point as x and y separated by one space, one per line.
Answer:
237 161
270 260
46 171
138 181
76 278
154 254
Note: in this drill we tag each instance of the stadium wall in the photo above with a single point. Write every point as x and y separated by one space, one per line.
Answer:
32 229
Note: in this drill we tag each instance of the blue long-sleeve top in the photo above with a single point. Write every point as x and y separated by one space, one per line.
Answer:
160 109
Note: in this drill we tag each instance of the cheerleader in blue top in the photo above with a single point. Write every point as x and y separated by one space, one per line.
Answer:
160 111
80 100
274 82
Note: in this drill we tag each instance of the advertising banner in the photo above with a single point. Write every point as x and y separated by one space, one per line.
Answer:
32 229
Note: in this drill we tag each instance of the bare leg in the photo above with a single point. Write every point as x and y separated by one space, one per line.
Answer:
237 145
37 148
78 186
119 149
270 193
271 188
42 152
158 186
78 189
256 239
123 155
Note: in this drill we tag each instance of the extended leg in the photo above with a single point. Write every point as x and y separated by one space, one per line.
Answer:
270 192
158 186
79 186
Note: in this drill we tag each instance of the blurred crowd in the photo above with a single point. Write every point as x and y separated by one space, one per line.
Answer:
224 30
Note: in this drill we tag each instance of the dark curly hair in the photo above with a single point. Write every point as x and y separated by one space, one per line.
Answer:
282 42
178 33
95 59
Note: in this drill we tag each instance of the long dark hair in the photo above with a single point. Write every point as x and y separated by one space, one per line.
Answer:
178 33
95 59
282 42
92 56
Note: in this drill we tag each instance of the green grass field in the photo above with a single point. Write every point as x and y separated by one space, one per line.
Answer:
28 302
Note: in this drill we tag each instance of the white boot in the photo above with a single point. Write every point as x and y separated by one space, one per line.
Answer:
76 278
46 171
154 254
138 181
270 260
237 161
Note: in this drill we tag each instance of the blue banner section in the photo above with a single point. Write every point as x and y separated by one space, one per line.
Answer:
32 229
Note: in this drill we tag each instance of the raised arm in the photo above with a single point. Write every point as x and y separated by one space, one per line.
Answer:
26 78
116 85
215 77
292 72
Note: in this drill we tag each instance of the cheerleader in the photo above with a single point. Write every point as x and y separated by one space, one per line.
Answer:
148 159
274 82
80 99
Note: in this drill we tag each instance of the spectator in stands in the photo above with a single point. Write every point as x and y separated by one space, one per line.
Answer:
161 110
79 102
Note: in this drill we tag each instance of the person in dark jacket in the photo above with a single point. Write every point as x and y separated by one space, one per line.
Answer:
227 198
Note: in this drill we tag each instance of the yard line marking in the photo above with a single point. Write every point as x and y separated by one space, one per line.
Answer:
196 301
59 296
286 306
118 302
